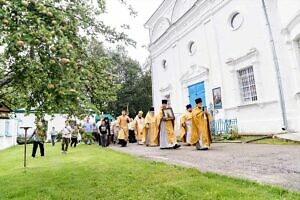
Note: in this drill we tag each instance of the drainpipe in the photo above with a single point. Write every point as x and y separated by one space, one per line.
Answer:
151 71
276 65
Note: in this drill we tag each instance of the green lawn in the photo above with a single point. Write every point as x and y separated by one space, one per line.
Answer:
273 141
89 172
276 141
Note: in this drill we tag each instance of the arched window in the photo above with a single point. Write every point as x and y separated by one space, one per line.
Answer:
164 64
192 48
236 20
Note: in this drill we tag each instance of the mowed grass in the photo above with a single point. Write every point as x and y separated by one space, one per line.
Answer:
276 141
89 172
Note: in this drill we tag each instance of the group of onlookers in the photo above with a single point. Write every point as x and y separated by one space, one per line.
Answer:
70 135
100 131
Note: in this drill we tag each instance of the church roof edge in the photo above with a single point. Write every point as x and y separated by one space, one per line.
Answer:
155 12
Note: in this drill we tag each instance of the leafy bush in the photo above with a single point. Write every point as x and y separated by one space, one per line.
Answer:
87 138
232 134
21 140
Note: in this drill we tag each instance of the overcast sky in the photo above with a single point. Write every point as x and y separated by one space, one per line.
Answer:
118 14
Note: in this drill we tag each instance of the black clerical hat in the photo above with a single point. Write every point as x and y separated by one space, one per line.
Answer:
188 106
199 100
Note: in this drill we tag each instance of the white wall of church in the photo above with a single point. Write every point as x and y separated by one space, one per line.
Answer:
237 45
8 133
219 53
289 12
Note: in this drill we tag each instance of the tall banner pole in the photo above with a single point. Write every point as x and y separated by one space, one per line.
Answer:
127 108
25 144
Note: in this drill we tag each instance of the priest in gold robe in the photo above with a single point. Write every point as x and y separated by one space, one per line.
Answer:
201 136
167 137
122 126
139 125
151 129
186 125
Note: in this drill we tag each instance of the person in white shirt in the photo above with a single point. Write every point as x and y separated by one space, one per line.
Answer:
53 134
66 136
131 137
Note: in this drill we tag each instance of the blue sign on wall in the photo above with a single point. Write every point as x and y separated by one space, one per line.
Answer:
197 91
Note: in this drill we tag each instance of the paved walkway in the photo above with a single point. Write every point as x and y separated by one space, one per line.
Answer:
271 164
290 136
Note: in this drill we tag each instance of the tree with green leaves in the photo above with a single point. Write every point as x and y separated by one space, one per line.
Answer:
46 63
135 85
103 84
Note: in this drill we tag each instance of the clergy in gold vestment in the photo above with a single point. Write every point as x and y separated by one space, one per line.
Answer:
139 125
186 125
151 128
201 135
122 125
167 137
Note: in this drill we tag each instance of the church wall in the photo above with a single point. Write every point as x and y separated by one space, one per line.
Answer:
247 46
220 52
285 20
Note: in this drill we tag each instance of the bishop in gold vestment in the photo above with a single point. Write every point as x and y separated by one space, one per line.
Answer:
167 137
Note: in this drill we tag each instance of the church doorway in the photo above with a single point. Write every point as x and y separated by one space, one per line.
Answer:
197 91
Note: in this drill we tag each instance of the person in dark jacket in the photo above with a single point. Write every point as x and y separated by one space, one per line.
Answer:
39 137
103 133
109 139
74 136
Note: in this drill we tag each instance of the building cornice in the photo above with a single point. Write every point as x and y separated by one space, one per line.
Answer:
158 13
173 11
176 23
195 72
186 24
251 53
295 20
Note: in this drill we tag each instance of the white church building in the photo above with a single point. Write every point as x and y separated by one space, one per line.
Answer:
242 57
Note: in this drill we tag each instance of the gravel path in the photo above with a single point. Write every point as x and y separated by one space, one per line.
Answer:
270 164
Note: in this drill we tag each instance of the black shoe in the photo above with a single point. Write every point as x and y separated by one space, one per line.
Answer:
163 148
204 149
176 146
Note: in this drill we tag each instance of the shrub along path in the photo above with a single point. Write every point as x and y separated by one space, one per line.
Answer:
271 164
89 172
